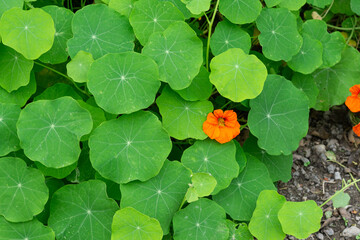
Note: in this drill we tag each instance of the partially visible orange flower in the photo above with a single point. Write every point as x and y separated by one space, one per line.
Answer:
353 101
222 126
356 129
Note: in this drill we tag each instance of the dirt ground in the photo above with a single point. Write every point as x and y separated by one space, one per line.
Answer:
317 178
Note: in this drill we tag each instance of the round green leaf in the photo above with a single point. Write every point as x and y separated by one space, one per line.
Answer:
292 5
197 6
58 173
228 35
243 232
181 6
334 82
56 91
306 84
178 52
279 35
239 199
62 18
30 32
300 219
319 3
264 223
82 211
97 115
14 69
309 58
99 30
203 183
341 200
79 66
355 6
199 89
209 156
50 131
240 156
21 95
236 75
124 7
150 16
272 3
182 119
129 224
203 219
124 82
6 5
9 114
279 116
161 196
130 147
239 11
25 230
23 190
342 6
279 166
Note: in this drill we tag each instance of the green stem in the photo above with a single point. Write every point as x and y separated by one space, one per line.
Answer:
64 76
352 30
327 11
243 126
182 203
342 190
226 104
209 34
344 29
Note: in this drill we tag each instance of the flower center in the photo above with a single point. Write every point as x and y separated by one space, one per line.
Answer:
221 122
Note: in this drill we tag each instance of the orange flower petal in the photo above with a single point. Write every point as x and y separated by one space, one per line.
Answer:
218 113
355 90
356 129
353 103
212 119
211 130
225 135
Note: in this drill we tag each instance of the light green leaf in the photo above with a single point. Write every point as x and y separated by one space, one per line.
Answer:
124 82
130 147
243 232
279 36
264 223
239 199
181 6
14 69
306 84
82 211
197 6
124 7
21 95
300 219
25 230
9 114
178 52
334 82
309 58
191 195
279 166
58 173
199 89
228 35
150 16
99 30
292 5
236 75
6 5
203 219
240 156
203 183
161 196
79 66
30 32
97 115
354 4
58 90
62 18
129 224
272 3
182 119
218 159
319 3
240 11
23 190
279 116
50 131
341 200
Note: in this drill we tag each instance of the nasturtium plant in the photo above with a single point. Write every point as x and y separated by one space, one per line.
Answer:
9 114
79 66
341 200
50 131
128 224
319 3
99 30
131 147
29 32
202 184
197 6
240 12
292 5
124 7
178 53
82 211
203 219
58 90
306 84
123 82
23 190
6 5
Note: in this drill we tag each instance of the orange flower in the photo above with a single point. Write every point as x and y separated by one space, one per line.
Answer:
356 129
353 101
222 126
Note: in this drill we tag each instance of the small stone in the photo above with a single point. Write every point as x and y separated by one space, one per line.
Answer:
320 236
352 231
320 149
329 231
337 176
331 168
307 152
